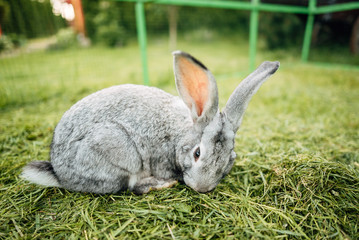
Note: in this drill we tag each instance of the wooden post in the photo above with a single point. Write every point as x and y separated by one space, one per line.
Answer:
79 21
172 23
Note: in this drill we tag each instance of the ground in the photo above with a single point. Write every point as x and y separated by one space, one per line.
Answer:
297 169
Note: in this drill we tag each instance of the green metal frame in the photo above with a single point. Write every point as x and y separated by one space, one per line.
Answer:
142 38
255 6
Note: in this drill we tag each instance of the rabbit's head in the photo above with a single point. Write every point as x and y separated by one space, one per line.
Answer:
206 153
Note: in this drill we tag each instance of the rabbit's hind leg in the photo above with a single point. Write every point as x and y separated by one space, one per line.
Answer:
101 162
151 183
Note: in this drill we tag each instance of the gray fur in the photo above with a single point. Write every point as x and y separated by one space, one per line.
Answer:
142 138
238 101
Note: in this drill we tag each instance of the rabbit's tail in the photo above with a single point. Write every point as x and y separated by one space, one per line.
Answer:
40 172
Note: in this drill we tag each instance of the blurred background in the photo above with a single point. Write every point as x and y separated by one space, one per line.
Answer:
47 46
113 23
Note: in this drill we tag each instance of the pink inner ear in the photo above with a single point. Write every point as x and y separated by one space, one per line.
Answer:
195 82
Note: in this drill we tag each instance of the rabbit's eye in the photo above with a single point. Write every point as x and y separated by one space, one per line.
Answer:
197 154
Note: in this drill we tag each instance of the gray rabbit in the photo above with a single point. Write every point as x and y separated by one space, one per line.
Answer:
142 138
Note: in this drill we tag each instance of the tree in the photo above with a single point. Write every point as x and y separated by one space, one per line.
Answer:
31 18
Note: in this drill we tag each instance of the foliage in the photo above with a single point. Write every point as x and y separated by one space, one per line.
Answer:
113 22
281 30
296 174
218 20
4 11
18 40
105 22
42 23
6 44
109 31
10 42
65 38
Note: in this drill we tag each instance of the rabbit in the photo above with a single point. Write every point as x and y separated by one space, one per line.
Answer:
140 138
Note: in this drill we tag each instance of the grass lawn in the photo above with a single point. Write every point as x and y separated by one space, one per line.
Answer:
297 169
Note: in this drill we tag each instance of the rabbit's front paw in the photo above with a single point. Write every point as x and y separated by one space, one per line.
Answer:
165 184
147 184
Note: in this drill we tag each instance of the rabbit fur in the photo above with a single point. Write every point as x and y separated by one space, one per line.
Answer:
142 138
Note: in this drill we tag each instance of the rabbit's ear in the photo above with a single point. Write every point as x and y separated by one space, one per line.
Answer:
196 86
238 101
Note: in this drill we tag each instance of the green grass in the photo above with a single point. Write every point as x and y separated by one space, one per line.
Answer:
296 174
